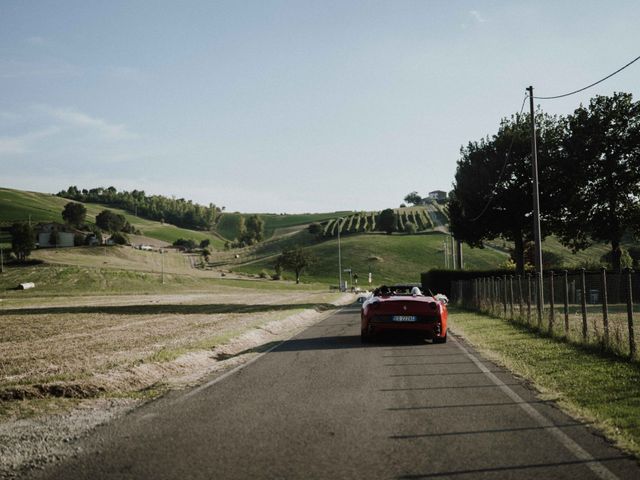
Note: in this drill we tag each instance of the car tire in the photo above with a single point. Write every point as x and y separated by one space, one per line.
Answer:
365 337
440 339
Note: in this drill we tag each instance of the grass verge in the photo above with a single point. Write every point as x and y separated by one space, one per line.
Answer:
599 388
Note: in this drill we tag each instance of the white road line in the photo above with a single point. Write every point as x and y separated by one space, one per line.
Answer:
596 467
204 386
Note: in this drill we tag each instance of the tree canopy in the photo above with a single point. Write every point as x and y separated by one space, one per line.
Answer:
589 169
22 240
110 221
74 214
180 212
600 165
295 259
387 221
413 198
492 194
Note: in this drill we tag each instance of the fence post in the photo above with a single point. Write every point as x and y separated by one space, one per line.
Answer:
485 293
504 294
540 298
529 299
520 300
552 311
583 300
566 304
632 338
511 296
605 307
492 292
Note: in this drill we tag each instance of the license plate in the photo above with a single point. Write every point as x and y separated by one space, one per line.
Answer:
403 318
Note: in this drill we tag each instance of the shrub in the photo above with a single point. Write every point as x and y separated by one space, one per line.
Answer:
78 239
410 228
119 238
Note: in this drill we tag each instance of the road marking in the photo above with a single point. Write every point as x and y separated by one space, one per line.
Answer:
204 386
596 467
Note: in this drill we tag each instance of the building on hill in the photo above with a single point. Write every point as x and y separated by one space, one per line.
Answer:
438 195
45 232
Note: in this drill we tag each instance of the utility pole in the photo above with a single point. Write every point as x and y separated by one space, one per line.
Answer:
453 252
536 207
339 257
459 254
162 261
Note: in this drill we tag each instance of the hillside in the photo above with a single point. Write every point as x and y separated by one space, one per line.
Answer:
390 258
274 224
17 205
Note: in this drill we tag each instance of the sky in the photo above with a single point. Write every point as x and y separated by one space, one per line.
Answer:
286 106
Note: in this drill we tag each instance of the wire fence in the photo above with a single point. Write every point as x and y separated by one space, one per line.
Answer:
588 308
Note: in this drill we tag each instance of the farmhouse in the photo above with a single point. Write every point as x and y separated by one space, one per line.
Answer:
438 195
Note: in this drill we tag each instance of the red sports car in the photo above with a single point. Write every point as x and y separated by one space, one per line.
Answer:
403 308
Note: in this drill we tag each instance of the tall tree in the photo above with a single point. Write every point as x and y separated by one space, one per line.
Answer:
74 214
388 221
295 259
601 157
255 227
22 240
492 195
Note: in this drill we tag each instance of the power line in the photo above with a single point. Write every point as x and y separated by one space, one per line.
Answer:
589 86
502 170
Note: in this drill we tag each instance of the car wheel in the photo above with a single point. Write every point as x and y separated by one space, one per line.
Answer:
365 337
440 339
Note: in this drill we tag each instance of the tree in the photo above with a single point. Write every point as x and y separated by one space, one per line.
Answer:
119 238
295 259
601 157
186 243
74 214
205 243
315 229
22 240
387 221
492 189
255 229
110 221
413 198
242 229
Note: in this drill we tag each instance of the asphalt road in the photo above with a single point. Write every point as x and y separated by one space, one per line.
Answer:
322 405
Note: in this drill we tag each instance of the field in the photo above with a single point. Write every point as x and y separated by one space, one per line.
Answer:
88 330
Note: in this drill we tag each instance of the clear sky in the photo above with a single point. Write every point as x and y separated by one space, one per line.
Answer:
285 106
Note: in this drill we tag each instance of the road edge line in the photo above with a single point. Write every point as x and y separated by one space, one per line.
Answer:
595 466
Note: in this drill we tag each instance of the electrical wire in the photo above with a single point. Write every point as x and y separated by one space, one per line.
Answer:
502 170
589 86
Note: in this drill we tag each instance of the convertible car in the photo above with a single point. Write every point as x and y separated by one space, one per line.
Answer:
403 308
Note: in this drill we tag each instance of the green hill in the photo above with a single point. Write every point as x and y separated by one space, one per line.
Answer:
18 205
391 258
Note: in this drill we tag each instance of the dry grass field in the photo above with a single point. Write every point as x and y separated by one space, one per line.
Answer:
130 345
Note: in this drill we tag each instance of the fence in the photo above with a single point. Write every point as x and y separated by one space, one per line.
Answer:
589 308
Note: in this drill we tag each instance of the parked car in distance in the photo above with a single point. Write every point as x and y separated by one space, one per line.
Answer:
403 308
